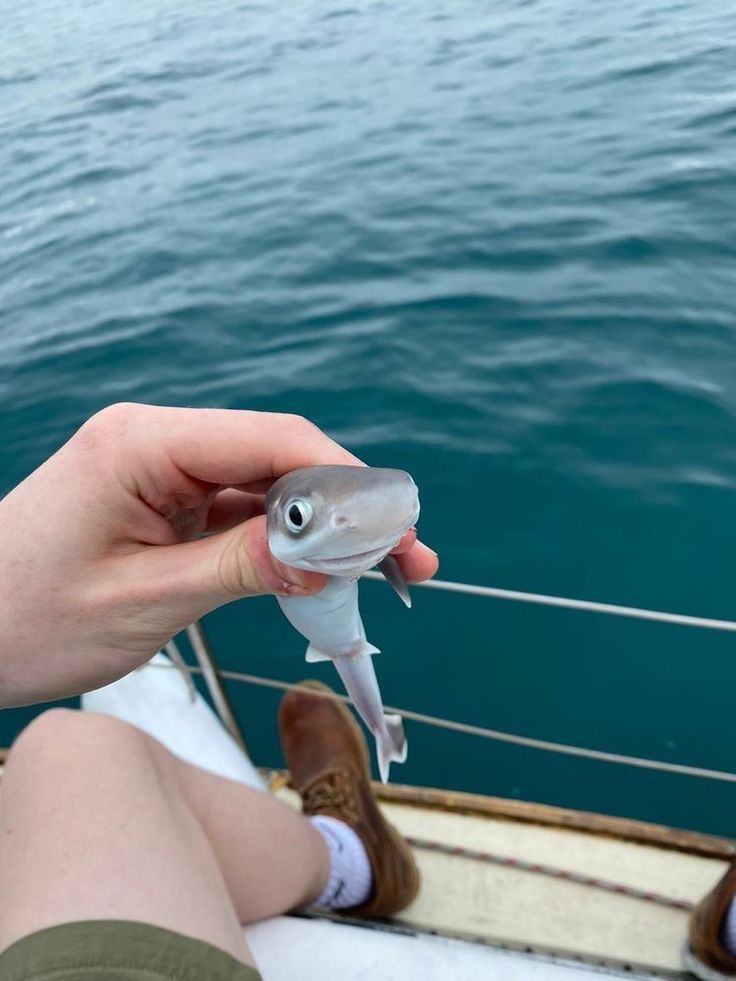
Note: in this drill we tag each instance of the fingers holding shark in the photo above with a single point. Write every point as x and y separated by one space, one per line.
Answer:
418 563
408 540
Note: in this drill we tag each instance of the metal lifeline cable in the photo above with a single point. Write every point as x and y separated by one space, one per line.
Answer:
494 734
538 868
589 606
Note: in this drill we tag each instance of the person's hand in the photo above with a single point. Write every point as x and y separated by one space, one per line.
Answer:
101 559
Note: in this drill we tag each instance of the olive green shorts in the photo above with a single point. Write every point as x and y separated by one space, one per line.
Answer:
118 950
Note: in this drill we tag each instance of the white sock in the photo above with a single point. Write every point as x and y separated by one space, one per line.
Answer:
351 879
728 931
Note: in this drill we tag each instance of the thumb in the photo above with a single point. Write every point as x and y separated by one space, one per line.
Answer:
241 564
209 572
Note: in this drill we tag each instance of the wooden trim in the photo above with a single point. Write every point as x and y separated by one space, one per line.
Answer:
500 808
659 835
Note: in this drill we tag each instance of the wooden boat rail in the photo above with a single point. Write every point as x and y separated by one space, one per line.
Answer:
547 815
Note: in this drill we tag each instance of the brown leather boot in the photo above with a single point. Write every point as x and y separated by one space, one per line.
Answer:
329 764
706 957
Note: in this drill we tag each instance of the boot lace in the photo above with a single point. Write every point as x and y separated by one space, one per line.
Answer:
331 793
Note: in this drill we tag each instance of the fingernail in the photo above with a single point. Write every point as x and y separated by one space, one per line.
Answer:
293 589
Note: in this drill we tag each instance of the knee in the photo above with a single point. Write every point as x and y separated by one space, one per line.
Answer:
63 736
49 729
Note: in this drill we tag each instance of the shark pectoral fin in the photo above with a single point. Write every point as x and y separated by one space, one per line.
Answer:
393 749
395 577
314 654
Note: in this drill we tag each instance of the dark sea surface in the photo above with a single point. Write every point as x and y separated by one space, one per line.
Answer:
490 243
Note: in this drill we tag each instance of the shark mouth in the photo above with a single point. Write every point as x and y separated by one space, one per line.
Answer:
345 563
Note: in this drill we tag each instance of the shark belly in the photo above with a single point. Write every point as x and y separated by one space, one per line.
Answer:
330 620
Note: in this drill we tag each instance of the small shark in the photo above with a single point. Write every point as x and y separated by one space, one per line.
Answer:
342 521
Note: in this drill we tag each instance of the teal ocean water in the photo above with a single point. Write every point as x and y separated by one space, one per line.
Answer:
492 244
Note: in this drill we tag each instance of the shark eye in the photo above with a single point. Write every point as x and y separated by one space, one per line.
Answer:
298 515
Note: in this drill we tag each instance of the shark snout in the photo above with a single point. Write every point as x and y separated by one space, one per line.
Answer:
385 513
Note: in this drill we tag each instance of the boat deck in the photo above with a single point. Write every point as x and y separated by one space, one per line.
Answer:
534 911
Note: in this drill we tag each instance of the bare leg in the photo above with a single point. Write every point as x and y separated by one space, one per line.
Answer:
99 821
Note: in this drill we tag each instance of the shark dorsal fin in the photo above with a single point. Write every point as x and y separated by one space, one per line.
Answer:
392 571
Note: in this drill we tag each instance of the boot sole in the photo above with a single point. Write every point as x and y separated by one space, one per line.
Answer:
692 963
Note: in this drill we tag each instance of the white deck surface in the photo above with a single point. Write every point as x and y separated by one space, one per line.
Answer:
288 948
160 702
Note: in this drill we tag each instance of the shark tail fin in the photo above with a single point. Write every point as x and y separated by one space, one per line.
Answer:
390 745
